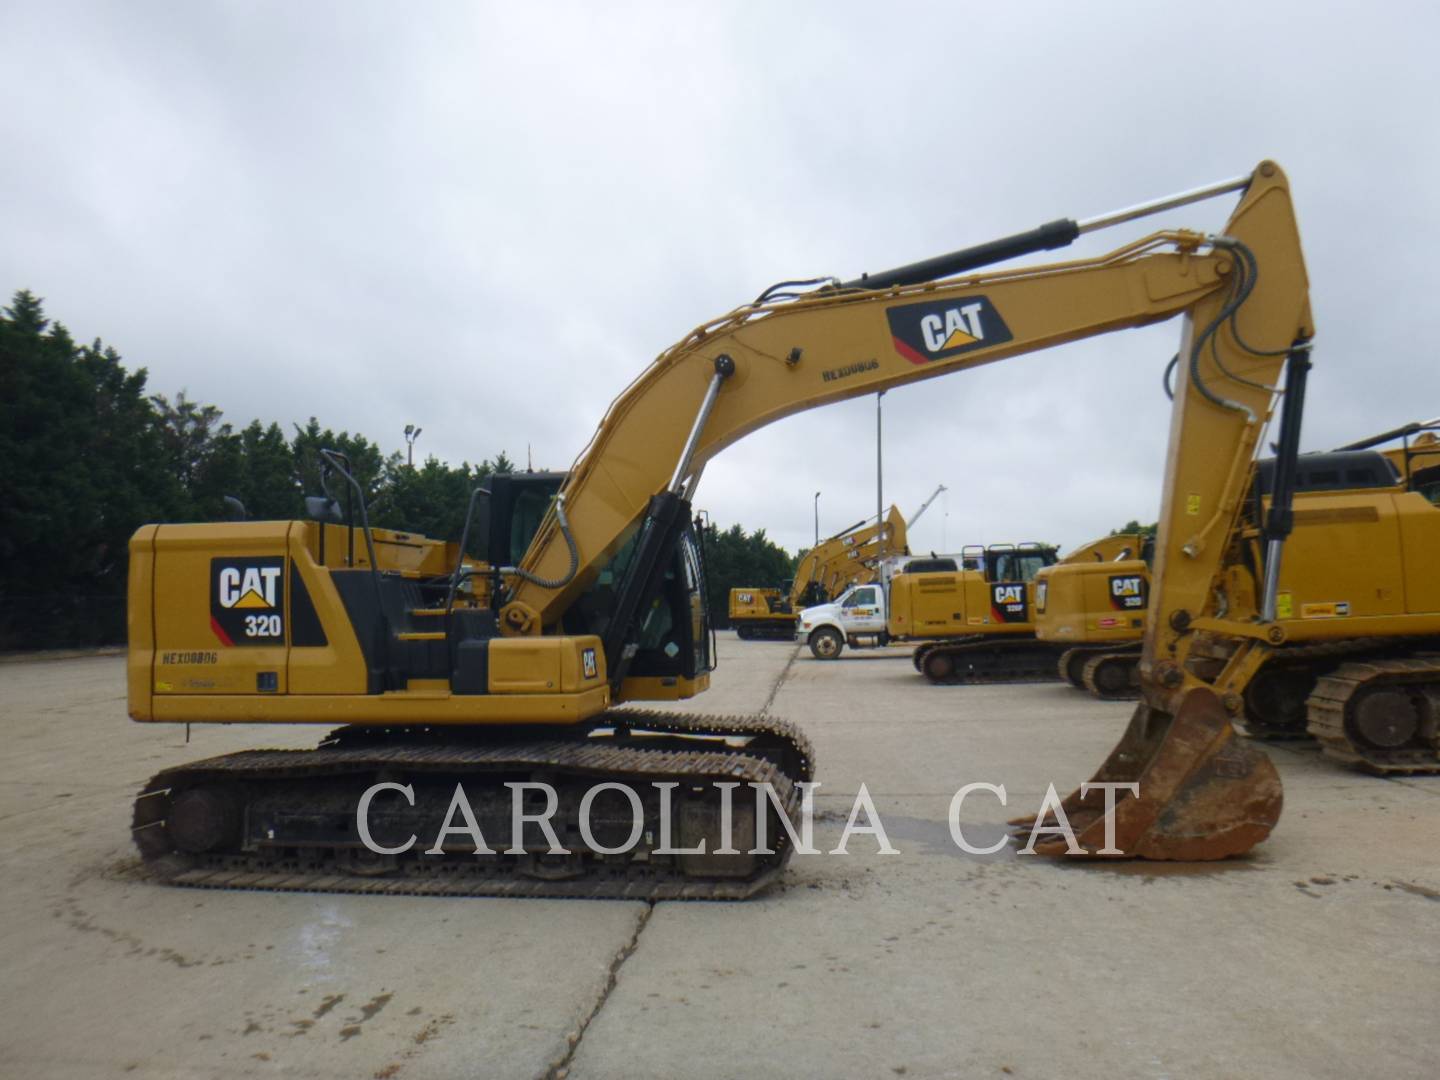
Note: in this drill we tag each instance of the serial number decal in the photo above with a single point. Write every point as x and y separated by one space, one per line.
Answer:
189 658
849 369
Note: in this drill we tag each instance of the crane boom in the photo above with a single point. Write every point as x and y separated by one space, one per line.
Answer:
925 506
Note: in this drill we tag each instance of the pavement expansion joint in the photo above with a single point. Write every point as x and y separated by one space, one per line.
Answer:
560 1068
780 680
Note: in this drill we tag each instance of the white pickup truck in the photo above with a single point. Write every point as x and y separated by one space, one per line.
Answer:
856 615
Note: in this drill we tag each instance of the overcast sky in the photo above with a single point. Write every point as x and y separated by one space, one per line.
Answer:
486 219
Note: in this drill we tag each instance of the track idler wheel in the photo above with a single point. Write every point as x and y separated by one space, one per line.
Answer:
1204 793
938 666
1275 703
1111 677
204 819
1386 718
1072 667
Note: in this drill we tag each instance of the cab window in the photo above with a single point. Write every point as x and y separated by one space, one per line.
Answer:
1020 566
861 598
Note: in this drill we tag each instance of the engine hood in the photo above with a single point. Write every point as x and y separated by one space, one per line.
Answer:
811 617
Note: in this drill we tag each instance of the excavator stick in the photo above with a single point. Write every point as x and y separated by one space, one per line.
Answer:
1204 793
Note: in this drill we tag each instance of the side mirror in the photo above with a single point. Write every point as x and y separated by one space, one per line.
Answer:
234 509
322 508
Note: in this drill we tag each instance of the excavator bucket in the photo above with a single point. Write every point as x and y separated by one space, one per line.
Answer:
1204 792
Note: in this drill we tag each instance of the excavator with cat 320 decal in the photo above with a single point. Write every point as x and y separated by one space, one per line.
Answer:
602 603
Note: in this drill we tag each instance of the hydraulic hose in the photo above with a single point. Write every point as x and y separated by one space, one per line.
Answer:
1237 297
569 575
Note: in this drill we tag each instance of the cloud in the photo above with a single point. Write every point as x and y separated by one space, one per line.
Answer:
487 219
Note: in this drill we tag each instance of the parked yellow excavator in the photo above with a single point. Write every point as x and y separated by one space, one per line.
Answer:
1094 610
1084 604
979 625
850 557
269 622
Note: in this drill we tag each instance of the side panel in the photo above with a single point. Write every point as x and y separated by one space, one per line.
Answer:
220 609
1116 600
1092 602
140 624
546 665
337 666
1420 538
937 603
977 602
1343 559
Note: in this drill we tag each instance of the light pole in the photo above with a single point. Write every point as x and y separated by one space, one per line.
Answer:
411 434
817 519
879 477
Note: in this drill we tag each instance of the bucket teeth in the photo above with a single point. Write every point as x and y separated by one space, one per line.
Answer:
1203 793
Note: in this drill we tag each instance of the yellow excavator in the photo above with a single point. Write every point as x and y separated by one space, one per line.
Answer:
1099 609
1354 655
1094 610
848 558
268 622
979 625
972 613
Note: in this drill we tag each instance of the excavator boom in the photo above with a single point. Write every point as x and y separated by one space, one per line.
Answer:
1244 297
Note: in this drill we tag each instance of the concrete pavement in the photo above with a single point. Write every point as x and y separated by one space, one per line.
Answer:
1317 956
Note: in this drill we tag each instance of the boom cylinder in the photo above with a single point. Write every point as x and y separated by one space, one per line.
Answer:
724 368
1054 234
1281 519
1386 436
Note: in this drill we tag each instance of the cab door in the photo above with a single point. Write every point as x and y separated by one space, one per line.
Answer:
862 611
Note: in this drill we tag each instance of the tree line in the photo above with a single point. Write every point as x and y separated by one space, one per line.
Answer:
89 455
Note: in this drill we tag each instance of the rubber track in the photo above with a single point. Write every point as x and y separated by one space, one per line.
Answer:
1128 657
1062 665
917 658
447 750
1330 701
1039 666
767 631
1299 656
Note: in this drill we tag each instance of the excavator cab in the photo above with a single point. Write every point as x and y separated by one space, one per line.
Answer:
672 653
1017 562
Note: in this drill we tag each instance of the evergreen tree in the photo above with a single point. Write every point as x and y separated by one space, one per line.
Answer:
1133 526
90 456
85 466
735 559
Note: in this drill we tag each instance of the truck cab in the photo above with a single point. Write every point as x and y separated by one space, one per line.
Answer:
986 590
856 616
